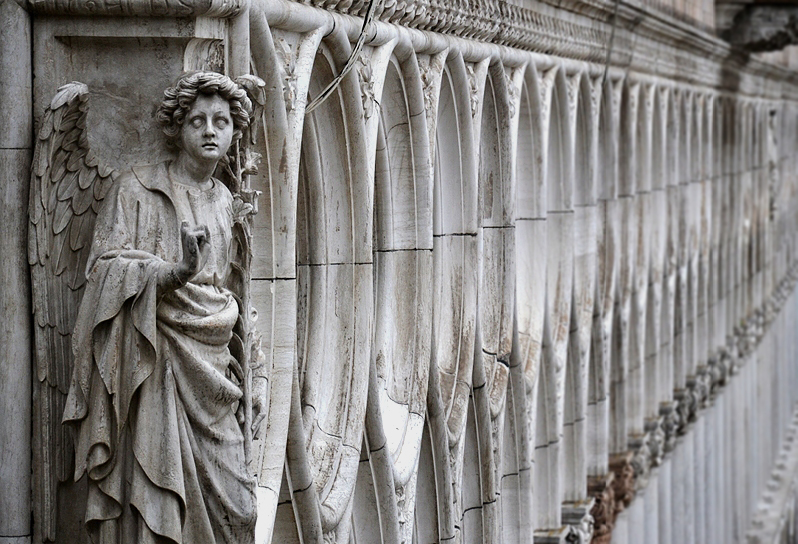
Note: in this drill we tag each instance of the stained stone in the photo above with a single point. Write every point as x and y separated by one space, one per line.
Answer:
525 273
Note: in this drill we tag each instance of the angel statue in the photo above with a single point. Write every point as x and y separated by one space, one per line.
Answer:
145 346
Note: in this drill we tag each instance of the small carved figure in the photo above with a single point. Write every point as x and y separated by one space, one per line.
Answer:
165 376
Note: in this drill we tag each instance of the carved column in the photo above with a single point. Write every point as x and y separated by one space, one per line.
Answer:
15 332
559 278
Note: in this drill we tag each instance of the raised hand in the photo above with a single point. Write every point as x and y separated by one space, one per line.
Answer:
196 248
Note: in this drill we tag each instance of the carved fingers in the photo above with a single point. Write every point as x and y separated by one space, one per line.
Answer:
196 248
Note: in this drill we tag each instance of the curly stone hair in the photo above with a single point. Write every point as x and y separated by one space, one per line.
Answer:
177 100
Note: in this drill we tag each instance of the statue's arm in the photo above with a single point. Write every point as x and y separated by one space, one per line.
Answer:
196 248
121 295
117 230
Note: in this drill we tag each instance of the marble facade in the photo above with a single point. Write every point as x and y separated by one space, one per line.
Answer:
527 275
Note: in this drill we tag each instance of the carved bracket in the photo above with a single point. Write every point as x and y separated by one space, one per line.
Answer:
623 485
603 511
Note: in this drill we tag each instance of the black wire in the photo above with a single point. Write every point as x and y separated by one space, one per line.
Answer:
325 94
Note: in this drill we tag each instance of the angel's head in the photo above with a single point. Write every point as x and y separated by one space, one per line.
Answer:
179 100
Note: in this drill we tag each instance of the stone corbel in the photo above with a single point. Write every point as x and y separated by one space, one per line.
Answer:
641 460
670 425
718 370
684 409
655 435
623 484
603 510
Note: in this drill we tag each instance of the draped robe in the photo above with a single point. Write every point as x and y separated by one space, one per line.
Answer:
153 395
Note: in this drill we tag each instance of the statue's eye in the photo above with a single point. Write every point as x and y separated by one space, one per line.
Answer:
221 122
197 122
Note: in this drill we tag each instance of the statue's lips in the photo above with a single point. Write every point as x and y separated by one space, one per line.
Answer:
210 145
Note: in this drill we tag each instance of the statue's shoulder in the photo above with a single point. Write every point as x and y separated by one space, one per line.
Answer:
144 185
142 181
152 177
222 191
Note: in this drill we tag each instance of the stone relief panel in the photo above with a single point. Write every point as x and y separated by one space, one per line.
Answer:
150 333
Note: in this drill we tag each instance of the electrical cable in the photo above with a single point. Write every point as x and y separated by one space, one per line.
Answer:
325 94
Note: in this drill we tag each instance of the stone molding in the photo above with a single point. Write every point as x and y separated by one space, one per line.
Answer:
645 40
138 8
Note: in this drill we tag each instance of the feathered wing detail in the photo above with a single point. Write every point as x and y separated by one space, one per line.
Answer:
67 185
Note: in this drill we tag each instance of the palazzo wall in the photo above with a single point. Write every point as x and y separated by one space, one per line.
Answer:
526 276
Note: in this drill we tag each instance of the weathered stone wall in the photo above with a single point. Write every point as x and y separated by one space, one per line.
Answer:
527 275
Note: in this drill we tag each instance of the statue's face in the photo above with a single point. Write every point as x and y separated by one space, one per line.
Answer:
207 131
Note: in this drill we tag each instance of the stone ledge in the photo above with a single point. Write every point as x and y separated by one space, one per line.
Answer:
552 536
137 8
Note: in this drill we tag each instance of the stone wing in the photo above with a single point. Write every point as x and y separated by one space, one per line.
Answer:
67 185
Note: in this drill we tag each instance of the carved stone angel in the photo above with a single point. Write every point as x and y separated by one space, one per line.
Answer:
161 370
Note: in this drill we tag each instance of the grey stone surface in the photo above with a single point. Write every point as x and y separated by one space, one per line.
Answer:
15 343
759 28
499 263
164 398
15 85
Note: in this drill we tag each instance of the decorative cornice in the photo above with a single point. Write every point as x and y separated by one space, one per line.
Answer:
151 8
646 40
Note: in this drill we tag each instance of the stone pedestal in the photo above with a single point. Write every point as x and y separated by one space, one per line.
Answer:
577 515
